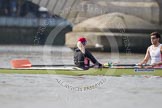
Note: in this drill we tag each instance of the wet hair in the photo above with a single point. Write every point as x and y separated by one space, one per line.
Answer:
155 34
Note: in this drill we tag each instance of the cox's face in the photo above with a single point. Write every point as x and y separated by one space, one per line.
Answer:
154 40
84 43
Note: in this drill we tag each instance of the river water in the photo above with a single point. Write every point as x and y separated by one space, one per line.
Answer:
59 91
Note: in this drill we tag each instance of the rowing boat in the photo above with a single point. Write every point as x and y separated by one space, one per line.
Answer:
25 67
92 71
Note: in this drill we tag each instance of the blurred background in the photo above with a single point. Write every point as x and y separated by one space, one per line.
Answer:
109 25
23 22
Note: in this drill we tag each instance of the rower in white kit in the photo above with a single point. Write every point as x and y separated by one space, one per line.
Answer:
154 52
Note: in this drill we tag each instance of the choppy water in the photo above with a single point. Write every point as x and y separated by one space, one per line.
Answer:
56 91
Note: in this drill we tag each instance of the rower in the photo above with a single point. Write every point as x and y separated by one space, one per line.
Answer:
154 52
82 56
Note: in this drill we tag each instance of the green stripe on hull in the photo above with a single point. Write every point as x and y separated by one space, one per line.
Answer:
104 71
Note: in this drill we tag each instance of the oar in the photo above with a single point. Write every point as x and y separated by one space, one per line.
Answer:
25 63
110 65
22 63
52 65
130 65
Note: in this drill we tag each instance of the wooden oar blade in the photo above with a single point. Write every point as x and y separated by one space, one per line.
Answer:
22 63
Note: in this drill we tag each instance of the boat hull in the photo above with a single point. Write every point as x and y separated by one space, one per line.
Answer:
76 72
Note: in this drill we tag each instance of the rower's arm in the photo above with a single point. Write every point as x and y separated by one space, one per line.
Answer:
92 58
159 63
147 57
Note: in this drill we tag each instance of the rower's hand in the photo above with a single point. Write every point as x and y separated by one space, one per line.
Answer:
98 65
154 64
145 65
140 65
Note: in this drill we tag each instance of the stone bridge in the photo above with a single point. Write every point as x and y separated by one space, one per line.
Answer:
78 10
105 22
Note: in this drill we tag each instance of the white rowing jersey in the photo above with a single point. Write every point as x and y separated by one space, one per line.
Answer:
155 54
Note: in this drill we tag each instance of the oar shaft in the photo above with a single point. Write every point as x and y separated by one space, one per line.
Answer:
57 65
131 65
123 64
128 65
